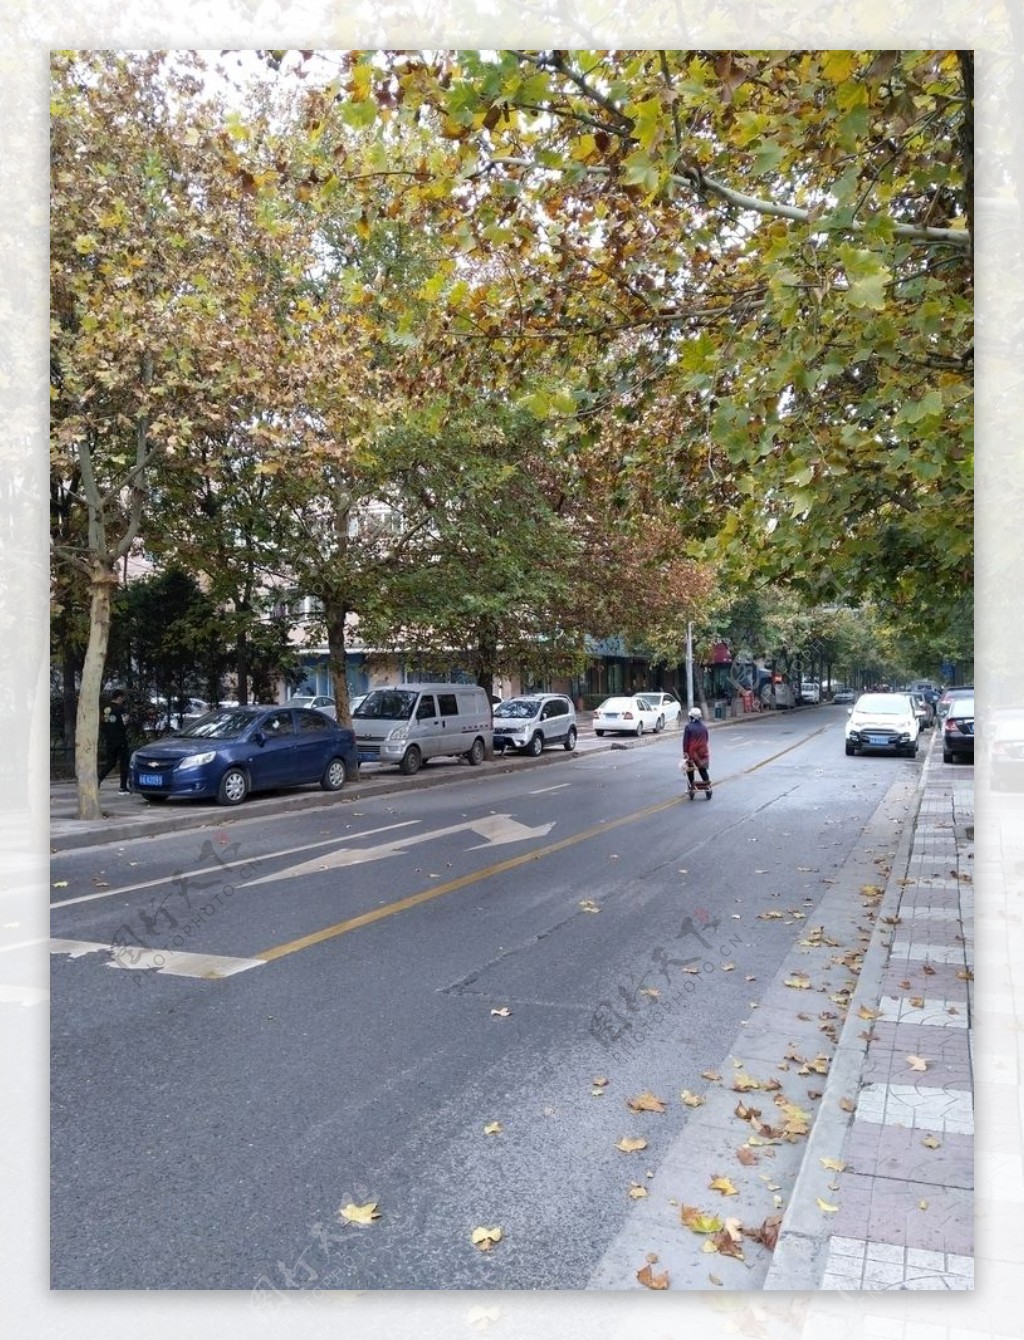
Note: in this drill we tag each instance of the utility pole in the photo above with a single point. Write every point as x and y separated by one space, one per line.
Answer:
689 666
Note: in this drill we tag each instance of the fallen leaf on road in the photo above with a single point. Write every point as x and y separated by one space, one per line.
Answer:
866 1012
917 1002
773 915
922 1205
589 906
727 967
723 1185
871 890
691 1099
651 1281
965 975
503 1013
485 1238
931 1142
699 1221
767 1233
826 1208
599 1081
798 980
651 991
847 1104
747 1156
493 1128
917 1063
713 1279
637 1192
798 1122
742 1083
927 969
631 1144
359 1214
710 1074
833 1165
645 1102
60 884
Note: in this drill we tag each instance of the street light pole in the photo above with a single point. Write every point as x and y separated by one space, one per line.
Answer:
689 665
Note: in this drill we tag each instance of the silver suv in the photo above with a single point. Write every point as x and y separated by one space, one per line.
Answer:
533 720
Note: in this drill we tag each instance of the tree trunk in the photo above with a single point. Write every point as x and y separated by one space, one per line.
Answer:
335 615
69 664
242 667
102 581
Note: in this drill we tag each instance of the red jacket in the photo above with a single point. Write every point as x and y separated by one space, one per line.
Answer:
696 745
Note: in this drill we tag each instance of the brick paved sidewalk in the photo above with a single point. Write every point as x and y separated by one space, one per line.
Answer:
905 1195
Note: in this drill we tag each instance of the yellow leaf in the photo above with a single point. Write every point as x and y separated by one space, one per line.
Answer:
931 1142
651 1281
691 1099
637 1192
826 1208
493 1128
485 1238
589 906
360 1214
645 1102
799 981
917 1063
61 884
847 1104
630 1145
698 1221
742 1083
723 1185
865 1012
833 1165
710 1074
922 1205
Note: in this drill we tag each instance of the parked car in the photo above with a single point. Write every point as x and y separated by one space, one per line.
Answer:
924 709
668 705
776 692
810 691
533 720
633 715
885 722
408 724
232 751
958 730
319 702
843 696
948 695
1004 729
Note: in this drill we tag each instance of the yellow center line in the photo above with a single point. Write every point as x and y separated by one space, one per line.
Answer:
488 872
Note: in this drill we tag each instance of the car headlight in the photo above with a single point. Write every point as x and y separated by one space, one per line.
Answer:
197 760
399 733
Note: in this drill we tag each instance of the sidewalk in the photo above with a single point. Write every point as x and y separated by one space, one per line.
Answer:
902 1206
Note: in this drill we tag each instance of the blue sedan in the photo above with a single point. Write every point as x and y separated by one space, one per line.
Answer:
232 751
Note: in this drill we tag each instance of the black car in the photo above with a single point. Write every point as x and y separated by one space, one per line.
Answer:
958 731
232 751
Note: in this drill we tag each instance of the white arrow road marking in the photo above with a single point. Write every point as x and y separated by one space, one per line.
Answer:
497 829
170 961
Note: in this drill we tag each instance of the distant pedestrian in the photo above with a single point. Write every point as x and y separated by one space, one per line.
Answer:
696 752
115 739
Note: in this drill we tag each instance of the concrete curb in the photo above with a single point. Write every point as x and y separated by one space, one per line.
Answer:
798 1262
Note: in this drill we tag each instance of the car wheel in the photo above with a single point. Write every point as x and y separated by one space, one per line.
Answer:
850 749
234 787
536 746
570 740
639 729
155 800
947 756
659 725
599 732
334 775
411 763
475 756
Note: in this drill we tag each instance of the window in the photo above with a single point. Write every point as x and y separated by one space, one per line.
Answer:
426 708
312 722
555 708
278 724
448 705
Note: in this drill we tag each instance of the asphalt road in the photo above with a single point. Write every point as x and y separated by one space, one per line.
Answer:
304 1013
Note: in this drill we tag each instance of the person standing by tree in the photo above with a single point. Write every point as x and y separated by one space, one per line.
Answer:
696 752
115 738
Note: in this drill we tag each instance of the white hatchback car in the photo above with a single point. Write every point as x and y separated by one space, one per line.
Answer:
633 715
320 702
667 704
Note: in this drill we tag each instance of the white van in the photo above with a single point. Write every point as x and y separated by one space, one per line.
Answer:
406 724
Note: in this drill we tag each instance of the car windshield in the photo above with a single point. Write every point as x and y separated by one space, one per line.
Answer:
223 725
518 707
387 704
962 707
302 700
883 704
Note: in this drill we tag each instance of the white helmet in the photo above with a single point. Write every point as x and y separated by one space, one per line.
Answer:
694 714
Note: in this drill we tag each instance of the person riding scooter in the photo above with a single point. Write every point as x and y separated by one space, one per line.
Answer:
696 753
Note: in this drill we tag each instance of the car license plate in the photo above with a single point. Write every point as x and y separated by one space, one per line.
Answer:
878 739
150 779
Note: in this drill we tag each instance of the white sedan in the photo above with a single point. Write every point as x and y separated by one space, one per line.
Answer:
667 704
634 715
